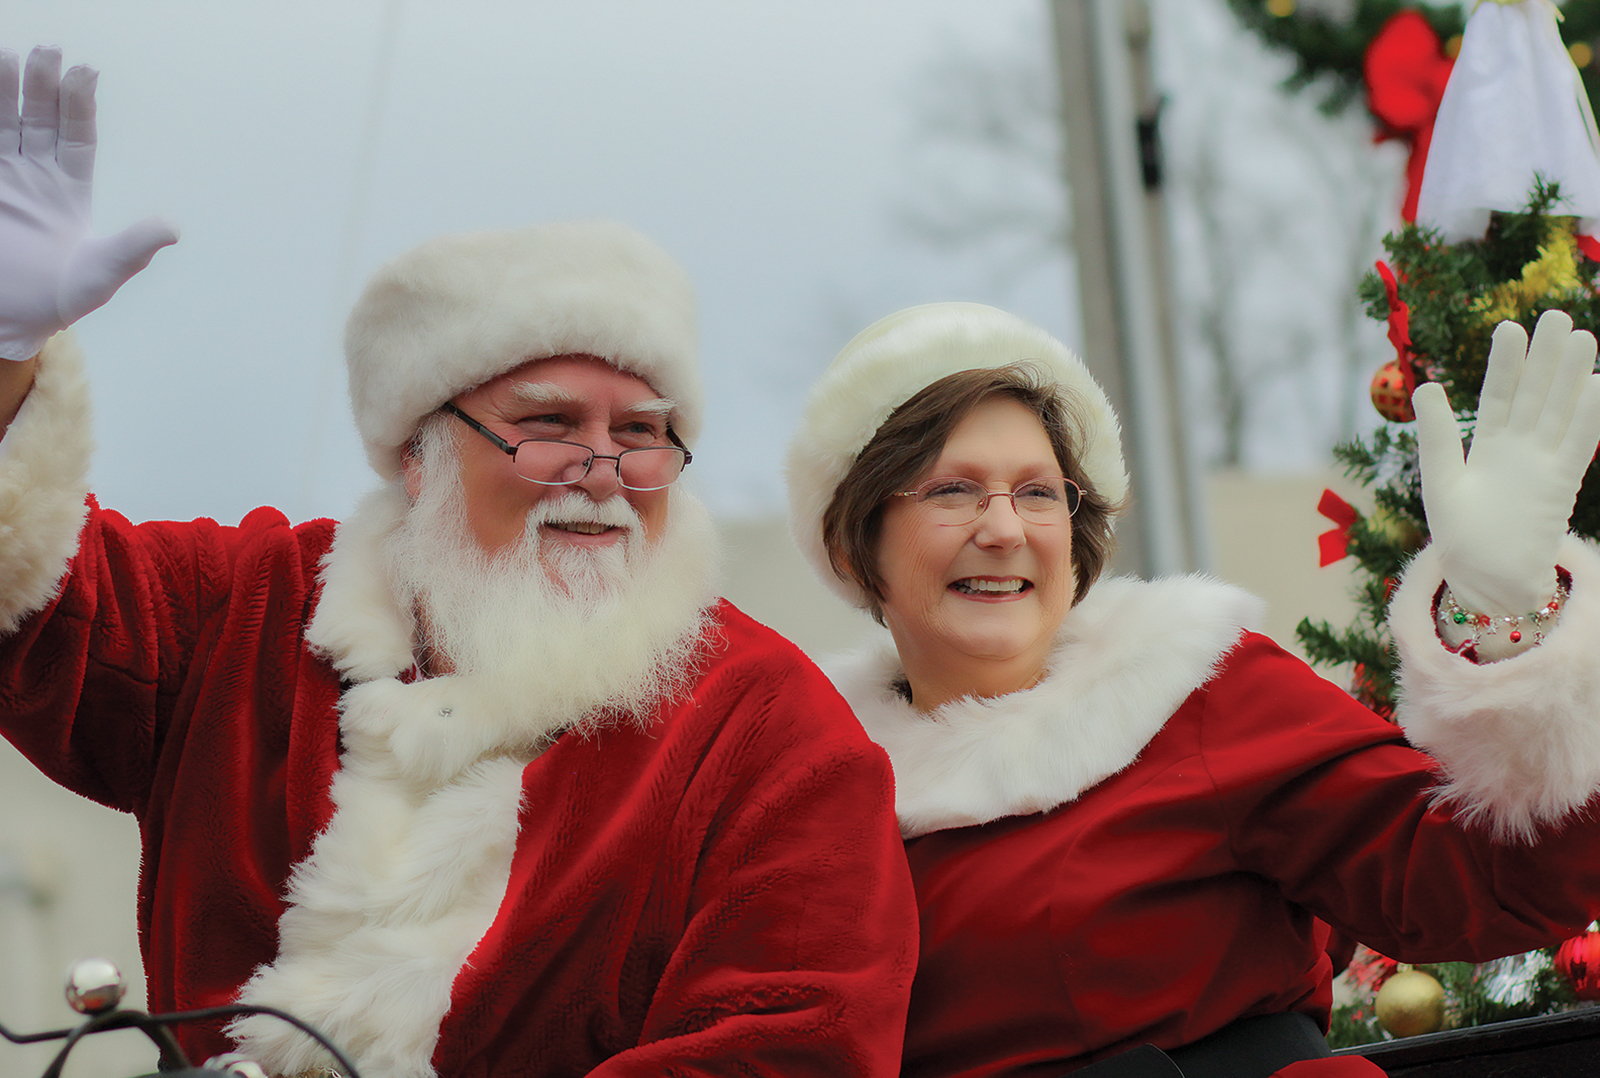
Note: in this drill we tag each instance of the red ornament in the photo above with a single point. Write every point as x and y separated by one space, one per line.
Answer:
1578 960
1389 394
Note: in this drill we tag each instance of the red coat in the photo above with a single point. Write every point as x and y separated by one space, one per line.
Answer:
723 892
1139 848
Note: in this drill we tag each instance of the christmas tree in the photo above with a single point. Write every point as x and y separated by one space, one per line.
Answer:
1442 301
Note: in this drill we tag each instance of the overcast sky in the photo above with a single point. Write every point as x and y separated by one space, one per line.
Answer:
298 144
770 146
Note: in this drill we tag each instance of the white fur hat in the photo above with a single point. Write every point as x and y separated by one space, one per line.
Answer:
895 358
459 310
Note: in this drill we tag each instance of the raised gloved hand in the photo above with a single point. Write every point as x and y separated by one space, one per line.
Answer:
1498 516
53 270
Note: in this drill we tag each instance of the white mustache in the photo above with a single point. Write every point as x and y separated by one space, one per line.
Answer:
570 507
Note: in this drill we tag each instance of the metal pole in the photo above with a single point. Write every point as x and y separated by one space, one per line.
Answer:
1118 227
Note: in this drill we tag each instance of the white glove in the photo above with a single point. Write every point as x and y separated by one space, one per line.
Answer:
53 271
1497 517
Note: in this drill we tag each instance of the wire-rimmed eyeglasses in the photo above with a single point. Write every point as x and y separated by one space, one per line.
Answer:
553 463
951 500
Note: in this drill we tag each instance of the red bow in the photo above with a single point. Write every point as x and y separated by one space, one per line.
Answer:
1399 328
1578 960
1334 543
1406 71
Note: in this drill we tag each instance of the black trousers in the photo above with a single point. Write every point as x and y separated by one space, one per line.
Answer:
1248 1048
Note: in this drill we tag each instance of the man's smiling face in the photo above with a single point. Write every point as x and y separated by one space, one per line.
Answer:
574 398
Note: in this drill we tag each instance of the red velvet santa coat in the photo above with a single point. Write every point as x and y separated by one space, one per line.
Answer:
722 891
1136 849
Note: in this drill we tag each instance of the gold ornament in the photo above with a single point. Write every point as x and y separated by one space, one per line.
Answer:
1399 530
1410 1002
1389 393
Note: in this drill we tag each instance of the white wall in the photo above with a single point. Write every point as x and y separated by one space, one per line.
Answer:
68 868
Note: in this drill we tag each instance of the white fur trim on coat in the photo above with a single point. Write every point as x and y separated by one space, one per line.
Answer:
44 469
1518 740
414 863
459 310
897 357
1125 659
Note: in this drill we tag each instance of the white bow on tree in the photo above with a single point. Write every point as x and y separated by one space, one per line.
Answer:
1514 108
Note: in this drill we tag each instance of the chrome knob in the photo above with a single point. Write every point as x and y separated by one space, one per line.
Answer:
95 985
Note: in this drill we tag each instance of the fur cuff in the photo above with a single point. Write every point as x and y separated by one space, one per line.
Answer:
44 470
1518 741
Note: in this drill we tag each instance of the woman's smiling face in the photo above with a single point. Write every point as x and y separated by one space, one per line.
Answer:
975 607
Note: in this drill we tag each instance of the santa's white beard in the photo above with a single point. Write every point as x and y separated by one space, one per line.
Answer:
580 635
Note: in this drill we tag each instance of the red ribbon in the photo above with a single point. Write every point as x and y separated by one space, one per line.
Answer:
1590 247
1399 328
1406 70
1334 543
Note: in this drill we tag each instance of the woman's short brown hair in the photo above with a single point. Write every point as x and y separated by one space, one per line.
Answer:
912 438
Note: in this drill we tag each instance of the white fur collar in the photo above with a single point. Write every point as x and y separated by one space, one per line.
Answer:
358 623
1125 658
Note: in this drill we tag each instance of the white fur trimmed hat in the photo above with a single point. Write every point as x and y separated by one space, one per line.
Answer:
895 358
459 310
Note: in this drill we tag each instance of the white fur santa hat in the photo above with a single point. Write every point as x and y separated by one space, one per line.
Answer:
897 357
459 310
